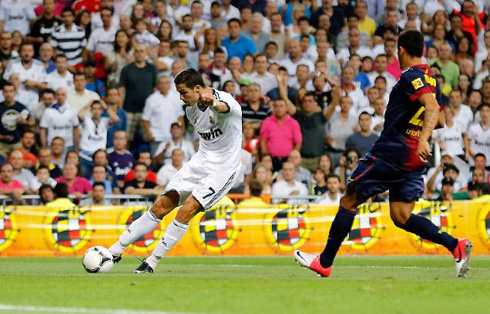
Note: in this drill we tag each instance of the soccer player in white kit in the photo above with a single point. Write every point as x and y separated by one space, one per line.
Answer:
205 179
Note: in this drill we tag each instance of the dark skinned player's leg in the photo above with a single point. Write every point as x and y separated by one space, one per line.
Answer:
341 225
175 230
401 214
147 222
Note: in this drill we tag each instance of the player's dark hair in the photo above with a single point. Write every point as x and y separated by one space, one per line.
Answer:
61 190
190 78
256 188
413 42
98 184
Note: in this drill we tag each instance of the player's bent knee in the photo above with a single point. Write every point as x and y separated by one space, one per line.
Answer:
190 209
399 219
350 201
165 204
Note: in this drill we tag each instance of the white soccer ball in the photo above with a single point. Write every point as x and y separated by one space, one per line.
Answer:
97 259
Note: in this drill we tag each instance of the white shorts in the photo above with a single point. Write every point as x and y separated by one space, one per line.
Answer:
207 187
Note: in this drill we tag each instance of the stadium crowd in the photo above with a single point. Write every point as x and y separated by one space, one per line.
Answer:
88 98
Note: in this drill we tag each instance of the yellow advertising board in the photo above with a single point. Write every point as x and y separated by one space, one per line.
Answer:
231 230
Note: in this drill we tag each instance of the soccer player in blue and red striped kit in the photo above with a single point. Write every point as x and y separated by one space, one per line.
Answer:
396 162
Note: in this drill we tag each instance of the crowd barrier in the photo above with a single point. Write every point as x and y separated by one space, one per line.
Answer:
231 230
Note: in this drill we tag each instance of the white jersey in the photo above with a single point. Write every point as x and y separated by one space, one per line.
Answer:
220 134
479 139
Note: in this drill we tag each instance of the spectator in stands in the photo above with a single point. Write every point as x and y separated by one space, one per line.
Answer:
137 82
142 157
69 39
7 53
8 185
288 186
164 151
60 120
46 193
61 77
347 164
61 197
94 84
166 172
114 104
94 130
15 119
255 110
44 25
325 164
117 58
333 194
447 190
354 47
296 58
449 69
101 158
336 14
99 174
28 149
254 201
450 138
363 140
98 196
462 113
47 100
80 96
45 159
319 186
341 124
20 174
74 158
162 109
237 45
478 136
140 185
262 77
280 134
450 171
77 185
58 151
101 39
263 175
46 54
120 159
42 177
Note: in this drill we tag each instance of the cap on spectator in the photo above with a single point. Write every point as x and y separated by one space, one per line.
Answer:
245 82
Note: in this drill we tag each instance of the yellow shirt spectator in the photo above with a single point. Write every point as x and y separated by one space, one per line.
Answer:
368 26
253 202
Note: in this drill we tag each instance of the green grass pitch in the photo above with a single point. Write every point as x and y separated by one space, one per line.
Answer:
422 284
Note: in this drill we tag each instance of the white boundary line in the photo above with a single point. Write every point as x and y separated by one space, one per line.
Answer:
81 310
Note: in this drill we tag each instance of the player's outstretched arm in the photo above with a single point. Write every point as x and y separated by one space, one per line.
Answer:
431 118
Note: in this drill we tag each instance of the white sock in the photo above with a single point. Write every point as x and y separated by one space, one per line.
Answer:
140 227
174 232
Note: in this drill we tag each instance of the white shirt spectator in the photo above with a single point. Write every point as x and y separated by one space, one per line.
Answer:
36 72
390 79
312 54
101 40
431 7
326 200
94 136
161 111
166 173
16 15
177 14
282 188
78 101
267 82
479 139
362 51
148 39
96 20
56 80
291 66
35 184
233 12
452 137
185 145
464 116
339 130
25 176
60 121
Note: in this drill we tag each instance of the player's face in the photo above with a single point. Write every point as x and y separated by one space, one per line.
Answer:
190 96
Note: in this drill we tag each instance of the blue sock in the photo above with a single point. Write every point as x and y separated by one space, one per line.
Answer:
424 228
341 226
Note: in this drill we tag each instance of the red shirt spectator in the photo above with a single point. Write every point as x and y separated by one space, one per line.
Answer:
9 186
76 185
280 133
152 177
469 19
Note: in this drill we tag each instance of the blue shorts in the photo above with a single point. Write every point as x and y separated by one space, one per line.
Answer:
373 176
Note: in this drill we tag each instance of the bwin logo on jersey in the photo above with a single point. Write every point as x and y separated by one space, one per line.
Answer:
211 135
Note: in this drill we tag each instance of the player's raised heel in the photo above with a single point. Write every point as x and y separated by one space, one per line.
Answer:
143 268
312 262
462 255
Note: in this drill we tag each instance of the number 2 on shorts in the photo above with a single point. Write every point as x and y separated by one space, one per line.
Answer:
212 191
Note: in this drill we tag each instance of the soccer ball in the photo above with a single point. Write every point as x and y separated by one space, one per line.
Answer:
97 259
